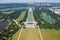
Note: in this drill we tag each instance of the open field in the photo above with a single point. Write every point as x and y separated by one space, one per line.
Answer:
8 12
21 16
33 34
30 34
50 34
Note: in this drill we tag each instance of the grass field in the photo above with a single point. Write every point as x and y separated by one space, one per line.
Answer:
8 12
21 16
15 36
50 34
33 34
30 34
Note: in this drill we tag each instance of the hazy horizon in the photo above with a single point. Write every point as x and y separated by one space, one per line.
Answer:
27 1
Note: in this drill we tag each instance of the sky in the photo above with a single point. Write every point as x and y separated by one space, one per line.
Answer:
25 1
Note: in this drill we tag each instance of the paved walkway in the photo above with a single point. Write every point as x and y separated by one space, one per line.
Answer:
40 33
20 34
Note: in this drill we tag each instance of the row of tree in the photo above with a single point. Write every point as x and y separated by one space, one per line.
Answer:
42 23
11 29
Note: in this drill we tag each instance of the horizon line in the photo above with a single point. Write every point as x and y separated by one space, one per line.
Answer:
30 2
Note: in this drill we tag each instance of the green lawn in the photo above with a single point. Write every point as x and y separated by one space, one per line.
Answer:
30 34
21 16
50 34
27 34
15 36
8 12
33 34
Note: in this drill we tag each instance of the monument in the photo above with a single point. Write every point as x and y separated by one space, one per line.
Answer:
30 22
